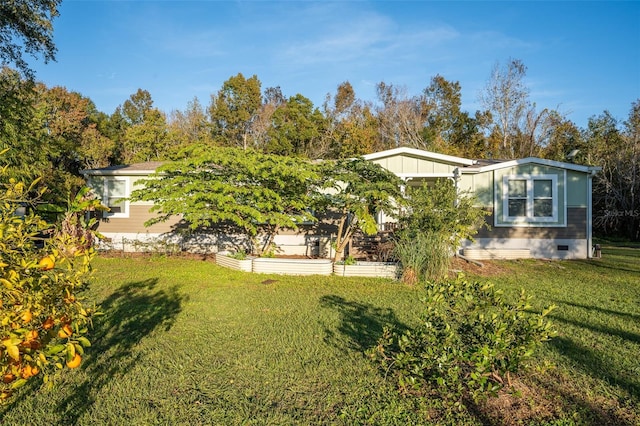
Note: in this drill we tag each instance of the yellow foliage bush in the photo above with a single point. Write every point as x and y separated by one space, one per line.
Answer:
43 321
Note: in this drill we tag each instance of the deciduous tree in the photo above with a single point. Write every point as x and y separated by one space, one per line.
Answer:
258 193
189 127
233 110
617 188
351 127
296 129
507 98
401 117
26 27
448 129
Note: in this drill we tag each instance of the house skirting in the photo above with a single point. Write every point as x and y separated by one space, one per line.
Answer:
289 245
519 248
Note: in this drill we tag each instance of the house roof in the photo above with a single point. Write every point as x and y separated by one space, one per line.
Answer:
125 170
428 155
485 166
477 166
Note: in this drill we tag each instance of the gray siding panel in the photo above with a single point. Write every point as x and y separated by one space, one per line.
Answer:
576 228
134 224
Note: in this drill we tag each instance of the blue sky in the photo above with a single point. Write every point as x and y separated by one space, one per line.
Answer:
582 57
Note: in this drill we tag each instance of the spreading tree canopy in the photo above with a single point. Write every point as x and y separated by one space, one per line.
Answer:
257 193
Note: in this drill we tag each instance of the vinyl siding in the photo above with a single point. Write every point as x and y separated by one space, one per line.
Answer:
576 228
138 215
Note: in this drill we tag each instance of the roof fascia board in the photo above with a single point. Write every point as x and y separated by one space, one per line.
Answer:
120 172
532 160
425 175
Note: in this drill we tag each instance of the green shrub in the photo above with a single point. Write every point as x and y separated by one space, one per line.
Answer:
439 218
239 255
468 343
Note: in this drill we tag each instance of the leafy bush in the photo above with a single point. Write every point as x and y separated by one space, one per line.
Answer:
439 218
42 319
239 255
468 343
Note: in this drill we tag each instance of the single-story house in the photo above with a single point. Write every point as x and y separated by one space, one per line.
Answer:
537 208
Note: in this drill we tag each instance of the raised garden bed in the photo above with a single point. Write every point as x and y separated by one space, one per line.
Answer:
226 260
366 269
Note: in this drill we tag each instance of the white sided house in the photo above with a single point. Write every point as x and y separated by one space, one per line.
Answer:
537 208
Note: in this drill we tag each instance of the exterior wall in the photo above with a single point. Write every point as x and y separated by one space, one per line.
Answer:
576 228
479 185
577 189
566 242
130 235
529 170
405 164
565 237
138 215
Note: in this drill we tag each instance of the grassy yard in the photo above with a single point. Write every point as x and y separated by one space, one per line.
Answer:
183 341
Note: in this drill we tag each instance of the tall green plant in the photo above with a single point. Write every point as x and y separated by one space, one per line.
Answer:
423 257
438 219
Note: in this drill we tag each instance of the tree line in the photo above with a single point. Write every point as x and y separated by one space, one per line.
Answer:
54 133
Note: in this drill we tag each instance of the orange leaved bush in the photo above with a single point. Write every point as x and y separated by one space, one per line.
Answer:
43 317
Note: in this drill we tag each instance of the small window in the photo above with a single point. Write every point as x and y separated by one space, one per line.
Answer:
543 198
530 199
115 197
517 197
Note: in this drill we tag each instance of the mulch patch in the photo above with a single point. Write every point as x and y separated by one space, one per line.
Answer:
488 269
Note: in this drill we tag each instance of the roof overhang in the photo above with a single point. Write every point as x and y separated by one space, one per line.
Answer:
531 160
137 169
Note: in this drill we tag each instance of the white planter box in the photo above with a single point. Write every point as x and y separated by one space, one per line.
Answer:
268 265
367 269
237 264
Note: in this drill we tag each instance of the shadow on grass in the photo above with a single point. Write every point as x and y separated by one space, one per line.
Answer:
361 324
594 363
626 265
130 313
610 331
630 316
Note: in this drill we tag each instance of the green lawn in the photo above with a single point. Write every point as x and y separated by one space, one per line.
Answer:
183 341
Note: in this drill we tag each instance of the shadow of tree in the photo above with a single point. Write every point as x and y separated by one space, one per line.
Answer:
130 313
634 317
608 266
594 363
623 334
360 323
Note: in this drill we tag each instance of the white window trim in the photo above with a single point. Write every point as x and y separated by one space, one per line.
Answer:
105 196
529 218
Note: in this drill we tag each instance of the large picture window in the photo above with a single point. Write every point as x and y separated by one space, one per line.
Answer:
530 198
